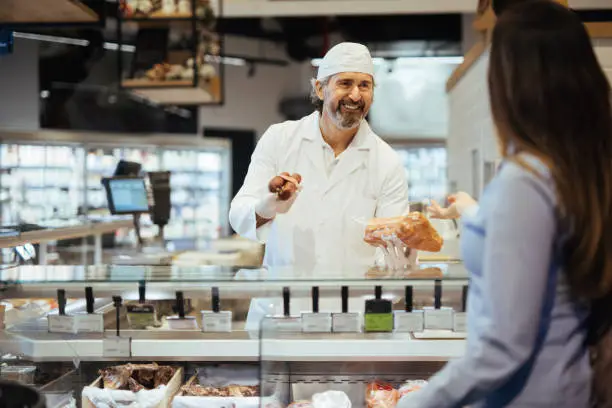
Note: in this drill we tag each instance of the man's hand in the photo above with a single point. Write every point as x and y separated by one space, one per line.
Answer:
397 255
459 202
284 190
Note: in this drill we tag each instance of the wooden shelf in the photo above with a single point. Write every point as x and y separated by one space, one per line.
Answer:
61 233
470 58
176 96
485 23
158 15
599 29
146 83
206 93
45 11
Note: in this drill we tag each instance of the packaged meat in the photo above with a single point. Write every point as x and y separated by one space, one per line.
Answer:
198 390
136 377
413 229
142 385
217 392
417 232
381 395
331 399
378 229
411 386
285 185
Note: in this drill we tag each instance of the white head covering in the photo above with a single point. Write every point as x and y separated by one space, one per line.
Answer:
346 57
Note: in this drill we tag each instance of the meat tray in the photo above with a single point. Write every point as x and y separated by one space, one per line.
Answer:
185 401
172 388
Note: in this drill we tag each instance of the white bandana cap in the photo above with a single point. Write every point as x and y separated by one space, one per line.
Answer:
346 57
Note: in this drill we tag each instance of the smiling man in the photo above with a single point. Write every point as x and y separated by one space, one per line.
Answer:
348 174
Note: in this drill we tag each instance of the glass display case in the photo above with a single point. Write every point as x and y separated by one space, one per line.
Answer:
57 175
200 197
249 337
39 181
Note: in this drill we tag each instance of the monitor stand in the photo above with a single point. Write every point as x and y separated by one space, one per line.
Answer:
160 232
136 220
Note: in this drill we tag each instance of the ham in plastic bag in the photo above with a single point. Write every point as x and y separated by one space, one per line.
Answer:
381 395
413 229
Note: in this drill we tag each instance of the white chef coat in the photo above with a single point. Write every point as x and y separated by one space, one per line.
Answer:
329 157
325 225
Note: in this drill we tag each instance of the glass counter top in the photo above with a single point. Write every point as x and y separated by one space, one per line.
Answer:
163 281
212 274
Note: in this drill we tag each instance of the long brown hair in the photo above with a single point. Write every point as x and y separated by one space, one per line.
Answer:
550 97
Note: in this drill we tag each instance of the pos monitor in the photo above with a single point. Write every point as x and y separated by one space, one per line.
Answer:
126 195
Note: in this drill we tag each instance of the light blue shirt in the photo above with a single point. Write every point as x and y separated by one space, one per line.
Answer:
526 343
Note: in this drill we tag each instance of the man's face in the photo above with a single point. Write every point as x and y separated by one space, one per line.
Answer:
347 98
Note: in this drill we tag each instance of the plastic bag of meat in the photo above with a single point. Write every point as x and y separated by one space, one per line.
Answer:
331 399
411 386
413 229
381 395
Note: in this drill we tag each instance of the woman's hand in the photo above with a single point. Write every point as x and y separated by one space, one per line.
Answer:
459 202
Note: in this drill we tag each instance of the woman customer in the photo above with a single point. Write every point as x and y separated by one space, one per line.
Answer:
539 244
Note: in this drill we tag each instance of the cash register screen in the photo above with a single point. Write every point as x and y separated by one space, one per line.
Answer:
126 195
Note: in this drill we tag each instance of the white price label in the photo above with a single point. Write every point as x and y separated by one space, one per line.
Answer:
90 323
409 322
289 324
316 322
439 319
216 322
62 324
460 322
347 323
117 347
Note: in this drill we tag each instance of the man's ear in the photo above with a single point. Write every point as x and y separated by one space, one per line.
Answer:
319 89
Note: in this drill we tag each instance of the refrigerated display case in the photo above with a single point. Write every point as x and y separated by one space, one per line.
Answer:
273 355
426 171
39 181
57 175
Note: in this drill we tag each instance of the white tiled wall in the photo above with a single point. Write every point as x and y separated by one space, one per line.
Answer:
471 127
471 130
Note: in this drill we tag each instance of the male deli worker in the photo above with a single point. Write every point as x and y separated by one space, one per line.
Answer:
337 174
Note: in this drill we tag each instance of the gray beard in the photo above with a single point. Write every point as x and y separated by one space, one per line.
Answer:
347 121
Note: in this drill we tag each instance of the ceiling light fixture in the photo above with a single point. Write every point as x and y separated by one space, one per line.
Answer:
416 60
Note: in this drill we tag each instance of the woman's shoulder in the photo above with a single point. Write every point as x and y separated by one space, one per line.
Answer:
522 175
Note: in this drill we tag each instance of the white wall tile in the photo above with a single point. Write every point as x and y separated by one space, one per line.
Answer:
471 124
470 128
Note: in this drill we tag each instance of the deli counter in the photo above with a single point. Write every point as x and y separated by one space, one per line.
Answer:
283 335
